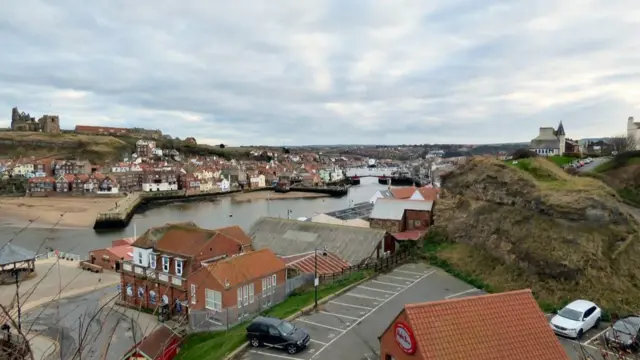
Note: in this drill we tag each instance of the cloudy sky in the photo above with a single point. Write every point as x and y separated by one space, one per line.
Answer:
325 72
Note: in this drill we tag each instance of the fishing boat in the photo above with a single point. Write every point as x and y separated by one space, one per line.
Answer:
282 187
354 180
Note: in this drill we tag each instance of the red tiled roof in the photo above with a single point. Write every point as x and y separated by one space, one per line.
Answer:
154 344
122 251
246 267
409 235
305 263
498 326
429 193
403 192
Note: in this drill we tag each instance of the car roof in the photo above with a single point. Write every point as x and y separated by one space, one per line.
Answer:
580 305
266 320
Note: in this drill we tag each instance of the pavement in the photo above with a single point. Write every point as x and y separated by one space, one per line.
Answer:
43 347
348 326
594 164
81 325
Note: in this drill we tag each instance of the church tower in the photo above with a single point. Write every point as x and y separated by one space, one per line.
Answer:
561 137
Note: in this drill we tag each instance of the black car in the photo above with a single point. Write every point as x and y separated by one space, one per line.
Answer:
624 333
277 333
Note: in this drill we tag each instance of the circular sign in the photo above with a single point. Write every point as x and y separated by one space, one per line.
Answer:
404 337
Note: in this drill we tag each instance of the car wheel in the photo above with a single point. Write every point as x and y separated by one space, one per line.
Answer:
579 336
292 349
255 342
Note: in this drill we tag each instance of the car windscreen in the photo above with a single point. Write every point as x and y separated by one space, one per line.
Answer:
626 327
571 314
285 327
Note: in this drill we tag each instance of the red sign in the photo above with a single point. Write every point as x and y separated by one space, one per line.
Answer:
404 337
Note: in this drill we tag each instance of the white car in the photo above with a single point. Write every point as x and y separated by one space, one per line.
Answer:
576 319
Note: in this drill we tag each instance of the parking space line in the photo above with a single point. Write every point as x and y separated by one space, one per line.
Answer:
399 278
364 296
355 306
387 283
596 336
460 293
342 316
369 288
371 312
274 355
318 342
409 272
321 325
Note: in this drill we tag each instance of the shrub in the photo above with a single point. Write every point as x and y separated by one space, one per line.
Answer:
523 154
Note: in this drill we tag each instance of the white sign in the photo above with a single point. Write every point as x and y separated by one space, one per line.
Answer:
316 282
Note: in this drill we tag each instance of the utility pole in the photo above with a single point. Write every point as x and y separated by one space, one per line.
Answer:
16 274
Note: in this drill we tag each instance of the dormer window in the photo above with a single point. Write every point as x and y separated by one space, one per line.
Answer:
152 260
165 263
179 267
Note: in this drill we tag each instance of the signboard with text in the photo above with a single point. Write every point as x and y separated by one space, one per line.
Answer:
404 337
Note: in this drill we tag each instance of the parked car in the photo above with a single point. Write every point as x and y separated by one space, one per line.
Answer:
277 333
576 318
624 333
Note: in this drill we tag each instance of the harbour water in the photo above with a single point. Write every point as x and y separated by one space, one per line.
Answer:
210 214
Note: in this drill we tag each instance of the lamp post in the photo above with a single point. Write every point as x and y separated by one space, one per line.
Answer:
16 274
316 281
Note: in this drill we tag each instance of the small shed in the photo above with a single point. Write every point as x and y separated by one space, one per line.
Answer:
16 263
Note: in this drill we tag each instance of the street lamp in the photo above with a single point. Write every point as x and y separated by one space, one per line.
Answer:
316 281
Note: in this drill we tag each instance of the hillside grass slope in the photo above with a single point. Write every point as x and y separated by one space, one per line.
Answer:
532 225
622 173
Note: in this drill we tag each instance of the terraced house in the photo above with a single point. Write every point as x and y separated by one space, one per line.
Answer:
165 258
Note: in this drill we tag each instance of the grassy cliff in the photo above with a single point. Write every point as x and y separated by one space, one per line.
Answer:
623 174
532 225
97 148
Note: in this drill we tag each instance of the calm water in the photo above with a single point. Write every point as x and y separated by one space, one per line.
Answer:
211 214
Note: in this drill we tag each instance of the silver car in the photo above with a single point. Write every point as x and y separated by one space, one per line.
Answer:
624 333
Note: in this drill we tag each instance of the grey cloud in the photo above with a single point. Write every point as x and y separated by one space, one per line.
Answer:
324 71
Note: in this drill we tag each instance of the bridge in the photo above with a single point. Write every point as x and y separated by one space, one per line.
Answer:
370 172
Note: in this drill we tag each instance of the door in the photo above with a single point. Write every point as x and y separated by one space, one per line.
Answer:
117 265
590 318
274 338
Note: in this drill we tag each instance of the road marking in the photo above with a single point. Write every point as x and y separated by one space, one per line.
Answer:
274 355
399 278
387 283
370 288
355 306
338 315
596 336
318 342
364 296
460 293
321 325
409 272
372 311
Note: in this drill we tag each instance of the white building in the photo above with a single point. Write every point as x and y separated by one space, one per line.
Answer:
549 142
633 132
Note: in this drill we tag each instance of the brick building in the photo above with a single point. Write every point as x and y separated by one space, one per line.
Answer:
507 325
237 281
404 219
165 257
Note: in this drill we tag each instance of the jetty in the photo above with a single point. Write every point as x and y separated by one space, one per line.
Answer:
336 191
119 216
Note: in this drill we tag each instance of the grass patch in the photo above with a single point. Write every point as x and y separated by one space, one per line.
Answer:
217 345
561 160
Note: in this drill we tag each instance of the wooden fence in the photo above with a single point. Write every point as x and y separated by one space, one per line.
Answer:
380 265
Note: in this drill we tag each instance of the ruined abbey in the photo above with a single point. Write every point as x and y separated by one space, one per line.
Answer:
21 121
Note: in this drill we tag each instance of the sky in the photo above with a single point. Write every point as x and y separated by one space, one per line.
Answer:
283 72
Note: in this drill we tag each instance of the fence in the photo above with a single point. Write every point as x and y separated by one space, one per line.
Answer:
61 255
378 265
210 320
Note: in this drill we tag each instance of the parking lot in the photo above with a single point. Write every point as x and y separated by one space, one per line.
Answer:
589 346
348 326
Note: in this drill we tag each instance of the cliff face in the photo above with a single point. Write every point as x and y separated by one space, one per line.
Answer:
532 225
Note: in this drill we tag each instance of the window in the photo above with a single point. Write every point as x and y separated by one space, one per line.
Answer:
240 297
417 223
251 293
179 267
213 300
152 260
193 293
140 257
273 283
165 264
264 287
152 297
245 291
141 292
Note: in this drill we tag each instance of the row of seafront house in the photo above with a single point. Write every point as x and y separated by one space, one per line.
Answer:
217 277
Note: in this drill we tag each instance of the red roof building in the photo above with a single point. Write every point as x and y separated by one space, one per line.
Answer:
507 325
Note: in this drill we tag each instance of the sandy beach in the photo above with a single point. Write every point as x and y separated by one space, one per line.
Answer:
70 212
263 195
